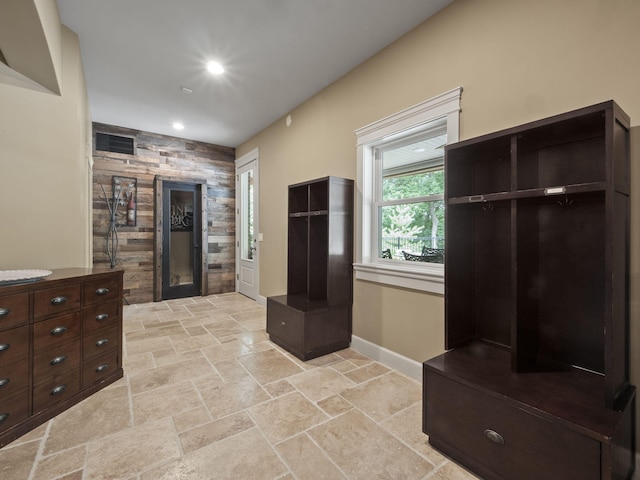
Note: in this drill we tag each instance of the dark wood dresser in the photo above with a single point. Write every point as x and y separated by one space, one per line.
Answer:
60 342
536 380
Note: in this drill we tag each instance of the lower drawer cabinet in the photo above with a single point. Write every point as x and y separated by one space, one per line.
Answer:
99 341
100 316
285 324
14 310
100 366
59 357
503 439
14 346
60 342
308 329
14 377
58 329
14 407
55 388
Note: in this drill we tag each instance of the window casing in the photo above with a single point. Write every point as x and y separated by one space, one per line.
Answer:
384 157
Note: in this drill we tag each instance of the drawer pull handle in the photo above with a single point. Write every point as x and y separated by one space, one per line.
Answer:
58 331
58 389
58 300
3 417
4 346
102 291
58 360
102 342
102 368
283 324
494 436
4 312
102 317
3 382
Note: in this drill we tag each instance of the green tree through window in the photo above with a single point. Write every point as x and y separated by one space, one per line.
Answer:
421 219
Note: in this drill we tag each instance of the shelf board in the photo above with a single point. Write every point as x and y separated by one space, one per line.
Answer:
314 213
530 193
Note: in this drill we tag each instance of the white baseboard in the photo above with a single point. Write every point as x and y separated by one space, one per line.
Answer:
391 359
262 300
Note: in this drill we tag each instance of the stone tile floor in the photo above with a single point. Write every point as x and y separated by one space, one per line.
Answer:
206 395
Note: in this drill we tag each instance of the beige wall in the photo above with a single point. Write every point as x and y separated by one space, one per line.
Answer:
45 219
517 61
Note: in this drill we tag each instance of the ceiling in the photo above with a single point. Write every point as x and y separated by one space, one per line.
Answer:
137 56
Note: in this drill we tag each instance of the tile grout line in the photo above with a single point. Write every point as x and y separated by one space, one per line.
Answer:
39 453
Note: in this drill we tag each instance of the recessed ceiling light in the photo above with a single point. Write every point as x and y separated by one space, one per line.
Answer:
215 68
178 126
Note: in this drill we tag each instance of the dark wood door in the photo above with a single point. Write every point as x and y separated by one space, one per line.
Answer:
181 241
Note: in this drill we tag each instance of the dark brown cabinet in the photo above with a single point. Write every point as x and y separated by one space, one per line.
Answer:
60 341
314 317
536 380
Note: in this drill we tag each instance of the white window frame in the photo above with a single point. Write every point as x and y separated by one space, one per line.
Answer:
428 277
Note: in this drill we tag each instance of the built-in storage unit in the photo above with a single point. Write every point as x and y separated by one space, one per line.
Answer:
314 317
60 341
536 380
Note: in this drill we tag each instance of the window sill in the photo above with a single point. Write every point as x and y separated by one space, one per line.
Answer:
426 278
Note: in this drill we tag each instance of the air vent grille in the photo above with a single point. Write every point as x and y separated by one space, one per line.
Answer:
114 143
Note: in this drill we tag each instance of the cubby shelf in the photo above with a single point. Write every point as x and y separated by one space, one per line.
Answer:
537 301
314 317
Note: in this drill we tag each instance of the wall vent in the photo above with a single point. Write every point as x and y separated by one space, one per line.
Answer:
115 143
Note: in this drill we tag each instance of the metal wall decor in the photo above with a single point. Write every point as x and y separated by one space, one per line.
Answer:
122 211
128 188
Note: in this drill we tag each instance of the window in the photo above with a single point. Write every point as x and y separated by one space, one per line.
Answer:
409 196
400 210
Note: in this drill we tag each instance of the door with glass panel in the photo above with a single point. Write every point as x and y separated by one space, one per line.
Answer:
181 226
246 225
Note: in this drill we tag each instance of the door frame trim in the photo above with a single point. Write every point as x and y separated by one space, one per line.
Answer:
253 155
158 184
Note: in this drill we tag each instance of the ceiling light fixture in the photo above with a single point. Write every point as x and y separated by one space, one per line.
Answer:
215 68
178 126
186 90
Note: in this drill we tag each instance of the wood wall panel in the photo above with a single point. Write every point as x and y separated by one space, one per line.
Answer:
174 157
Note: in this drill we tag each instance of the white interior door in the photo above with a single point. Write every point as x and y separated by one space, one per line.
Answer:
247 225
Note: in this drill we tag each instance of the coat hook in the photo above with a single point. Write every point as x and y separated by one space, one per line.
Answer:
565 202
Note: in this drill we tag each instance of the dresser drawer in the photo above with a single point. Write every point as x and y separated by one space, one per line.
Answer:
13 408
98 341
100 316
14 310
56 330
56 300
505 438
100 366
50 361
285 324
55 388
100 291
14 345
13 377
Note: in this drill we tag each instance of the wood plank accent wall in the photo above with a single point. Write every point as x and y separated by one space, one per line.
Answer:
171 157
